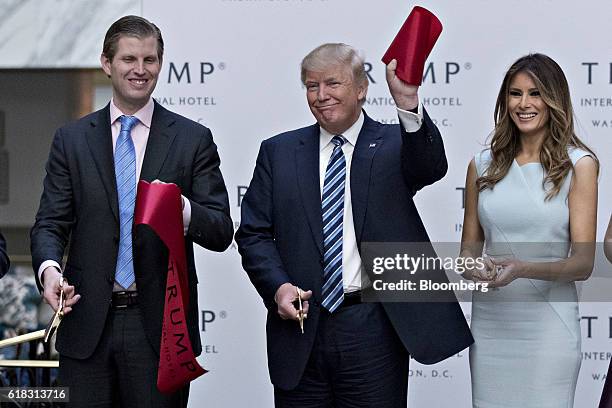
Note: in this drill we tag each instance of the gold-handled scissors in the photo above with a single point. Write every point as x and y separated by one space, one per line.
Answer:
59 313
300 315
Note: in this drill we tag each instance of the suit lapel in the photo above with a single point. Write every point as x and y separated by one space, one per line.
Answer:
161 136
368 142
100 144
307 166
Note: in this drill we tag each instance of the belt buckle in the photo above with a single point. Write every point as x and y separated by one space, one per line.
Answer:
122 295
130 298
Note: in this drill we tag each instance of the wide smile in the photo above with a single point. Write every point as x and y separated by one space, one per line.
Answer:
138 82
526 116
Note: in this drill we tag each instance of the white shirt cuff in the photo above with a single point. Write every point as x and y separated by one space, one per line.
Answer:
186 215
411 121
45 265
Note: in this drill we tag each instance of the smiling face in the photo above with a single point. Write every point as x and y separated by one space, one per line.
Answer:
133 71
334 98
526 108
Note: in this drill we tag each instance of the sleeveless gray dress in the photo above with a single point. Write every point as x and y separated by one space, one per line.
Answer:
527 334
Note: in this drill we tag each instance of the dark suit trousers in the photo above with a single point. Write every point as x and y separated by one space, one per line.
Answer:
122 372
357 361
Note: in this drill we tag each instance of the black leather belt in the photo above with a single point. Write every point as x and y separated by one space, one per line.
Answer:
351 298
122 300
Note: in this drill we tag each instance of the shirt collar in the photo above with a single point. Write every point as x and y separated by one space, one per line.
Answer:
144 115
350 134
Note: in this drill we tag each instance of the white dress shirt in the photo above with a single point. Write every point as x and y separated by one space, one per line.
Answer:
351 260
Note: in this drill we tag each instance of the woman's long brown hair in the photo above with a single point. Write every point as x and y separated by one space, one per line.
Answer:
505 142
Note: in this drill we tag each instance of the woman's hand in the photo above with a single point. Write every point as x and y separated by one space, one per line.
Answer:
485 274
506 270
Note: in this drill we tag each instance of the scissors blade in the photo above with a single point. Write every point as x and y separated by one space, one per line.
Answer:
301 310
57 317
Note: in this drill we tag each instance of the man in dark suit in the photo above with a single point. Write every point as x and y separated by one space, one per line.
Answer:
317 194
4 259
109 339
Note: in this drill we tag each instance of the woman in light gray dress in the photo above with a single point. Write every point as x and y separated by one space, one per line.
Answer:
531 202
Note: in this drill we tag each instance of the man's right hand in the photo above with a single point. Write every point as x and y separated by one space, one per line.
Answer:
285 295
404 94
52 287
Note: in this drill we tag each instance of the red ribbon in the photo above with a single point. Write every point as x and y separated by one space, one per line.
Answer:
159 206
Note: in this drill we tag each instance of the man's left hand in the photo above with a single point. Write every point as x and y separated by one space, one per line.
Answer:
157 181
405 95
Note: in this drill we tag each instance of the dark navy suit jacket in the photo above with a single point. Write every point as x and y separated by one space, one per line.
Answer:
280 236
79 206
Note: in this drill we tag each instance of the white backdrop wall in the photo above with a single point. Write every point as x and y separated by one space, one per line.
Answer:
234 66
249 52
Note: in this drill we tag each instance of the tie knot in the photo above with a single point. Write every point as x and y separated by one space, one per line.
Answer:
338 140
127 122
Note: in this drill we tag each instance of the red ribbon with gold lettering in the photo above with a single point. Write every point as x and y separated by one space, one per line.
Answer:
159 206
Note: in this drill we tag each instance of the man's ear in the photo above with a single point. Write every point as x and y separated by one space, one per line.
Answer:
362 92
106 64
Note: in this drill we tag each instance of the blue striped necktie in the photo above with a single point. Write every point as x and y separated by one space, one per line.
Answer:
125 172
332 202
